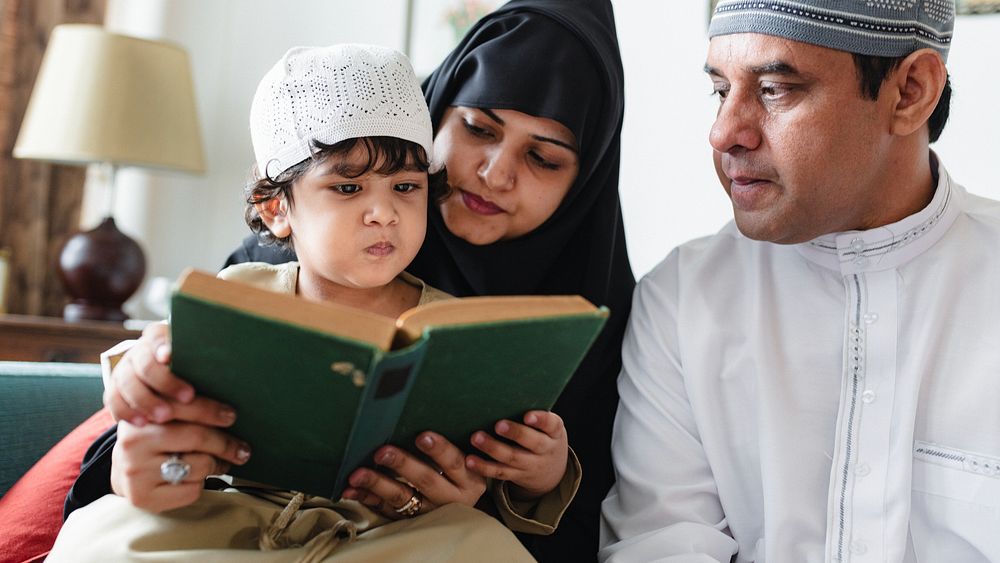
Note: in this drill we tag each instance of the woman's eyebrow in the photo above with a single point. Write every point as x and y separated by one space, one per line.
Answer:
489 113
556 142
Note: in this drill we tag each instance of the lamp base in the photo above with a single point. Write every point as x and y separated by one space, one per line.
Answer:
76 312
100 269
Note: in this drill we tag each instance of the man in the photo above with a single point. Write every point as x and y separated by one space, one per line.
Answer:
819 381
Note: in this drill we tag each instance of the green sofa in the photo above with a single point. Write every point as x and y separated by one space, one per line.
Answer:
39 404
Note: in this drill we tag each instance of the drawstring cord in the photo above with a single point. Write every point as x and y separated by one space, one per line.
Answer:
322 544
269 539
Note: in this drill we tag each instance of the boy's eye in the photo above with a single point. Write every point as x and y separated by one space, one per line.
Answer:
406 188
347 189
477 130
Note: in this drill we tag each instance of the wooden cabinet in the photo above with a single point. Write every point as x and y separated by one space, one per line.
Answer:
48 339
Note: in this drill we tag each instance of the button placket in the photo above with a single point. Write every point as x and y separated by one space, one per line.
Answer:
857 350
858 246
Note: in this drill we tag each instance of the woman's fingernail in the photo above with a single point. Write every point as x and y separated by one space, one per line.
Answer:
386 457
427 441
478 439
227 415
503 427
138 420
243 454
531 418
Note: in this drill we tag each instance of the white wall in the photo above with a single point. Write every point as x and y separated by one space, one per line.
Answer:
970 145
669 190
668 186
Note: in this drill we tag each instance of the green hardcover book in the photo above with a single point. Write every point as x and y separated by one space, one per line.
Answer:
319 387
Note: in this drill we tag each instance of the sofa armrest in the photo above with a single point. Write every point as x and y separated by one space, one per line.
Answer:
39 404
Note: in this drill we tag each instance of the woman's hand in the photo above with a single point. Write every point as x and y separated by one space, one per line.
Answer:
142 388
140 450
450 481
535 465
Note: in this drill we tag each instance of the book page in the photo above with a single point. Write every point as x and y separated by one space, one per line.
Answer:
470 310
329 318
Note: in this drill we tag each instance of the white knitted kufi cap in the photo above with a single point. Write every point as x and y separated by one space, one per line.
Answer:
330 94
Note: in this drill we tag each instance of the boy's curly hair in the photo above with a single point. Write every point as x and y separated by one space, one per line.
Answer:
385 155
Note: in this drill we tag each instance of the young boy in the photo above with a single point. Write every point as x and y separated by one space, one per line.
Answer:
342 139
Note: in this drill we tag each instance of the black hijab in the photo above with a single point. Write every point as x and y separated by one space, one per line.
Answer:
557 59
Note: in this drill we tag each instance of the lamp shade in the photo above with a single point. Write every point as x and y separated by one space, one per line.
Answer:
104 97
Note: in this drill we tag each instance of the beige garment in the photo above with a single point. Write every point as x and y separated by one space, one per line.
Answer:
226 526
284 278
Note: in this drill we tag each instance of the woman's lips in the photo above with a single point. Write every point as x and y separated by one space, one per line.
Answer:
479 205
380 249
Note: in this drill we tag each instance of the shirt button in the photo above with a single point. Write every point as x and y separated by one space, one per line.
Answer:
870 318
863 469
859 547
868 396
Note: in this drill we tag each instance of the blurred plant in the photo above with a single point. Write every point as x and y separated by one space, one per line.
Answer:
464 13
970 7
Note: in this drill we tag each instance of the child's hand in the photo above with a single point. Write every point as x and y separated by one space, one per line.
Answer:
537 466
142 388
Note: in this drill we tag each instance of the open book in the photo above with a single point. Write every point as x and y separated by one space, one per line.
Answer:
318 387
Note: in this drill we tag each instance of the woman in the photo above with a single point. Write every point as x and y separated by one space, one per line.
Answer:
527 215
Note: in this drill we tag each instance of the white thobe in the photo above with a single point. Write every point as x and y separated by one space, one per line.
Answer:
837 400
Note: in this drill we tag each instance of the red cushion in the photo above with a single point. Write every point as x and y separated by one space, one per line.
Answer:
31 511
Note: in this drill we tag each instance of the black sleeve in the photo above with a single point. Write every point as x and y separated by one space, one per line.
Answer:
95 473
251 251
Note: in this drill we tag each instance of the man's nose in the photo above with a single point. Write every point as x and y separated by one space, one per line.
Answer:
737 124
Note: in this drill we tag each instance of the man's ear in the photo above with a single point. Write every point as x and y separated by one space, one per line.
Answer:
274 213
917 83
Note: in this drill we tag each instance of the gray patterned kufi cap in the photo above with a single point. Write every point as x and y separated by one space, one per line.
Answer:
883 28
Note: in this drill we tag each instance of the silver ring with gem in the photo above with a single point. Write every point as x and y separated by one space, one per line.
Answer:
175 469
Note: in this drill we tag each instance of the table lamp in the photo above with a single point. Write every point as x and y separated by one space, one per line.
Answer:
114 100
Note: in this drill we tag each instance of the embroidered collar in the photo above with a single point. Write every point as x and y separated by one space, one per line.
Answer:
892 245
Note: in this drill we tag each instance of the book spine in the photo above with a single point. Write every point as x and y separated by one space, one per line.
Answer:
387 388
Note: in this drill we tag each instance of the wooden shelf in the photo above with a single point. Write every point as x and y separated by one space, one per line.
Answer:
49 339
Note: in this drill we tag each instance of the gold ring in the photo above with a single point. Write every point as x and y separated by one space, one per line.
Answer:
412 506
